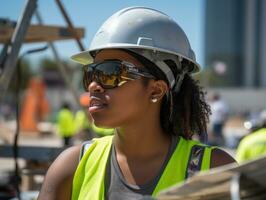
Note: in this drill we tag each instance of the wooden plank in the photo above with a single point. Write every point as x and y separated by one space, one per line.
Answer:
216 183
39 33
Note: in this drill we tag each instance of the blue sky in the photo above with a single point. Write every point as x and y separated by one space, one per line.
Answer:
189 14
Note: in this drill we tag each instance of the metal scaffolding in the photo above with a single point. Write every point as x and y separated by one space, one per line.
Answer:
10 52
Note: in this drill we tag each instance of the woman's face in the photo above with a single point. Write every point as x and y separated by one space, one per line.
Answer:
122 105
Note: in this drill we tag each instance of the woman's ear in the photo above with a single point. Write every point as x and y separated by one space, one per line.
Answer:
159 88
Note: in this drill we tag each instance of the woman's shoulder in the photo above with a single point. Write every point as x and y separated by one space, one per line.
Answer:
58 179
69 156
220 157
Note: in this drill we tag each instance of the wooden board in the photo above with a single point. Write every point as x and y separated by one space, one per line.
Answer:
39 33
216 183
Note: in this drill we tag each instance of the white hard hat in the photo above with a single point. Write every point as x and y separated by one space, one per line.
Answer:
147 32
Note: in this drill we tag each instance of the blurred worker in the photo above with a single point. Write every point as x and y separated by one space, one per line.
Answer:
65 123
219 110
253 145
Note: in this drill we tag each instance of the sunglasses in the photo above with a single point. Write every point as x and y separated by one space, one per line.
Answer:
112 73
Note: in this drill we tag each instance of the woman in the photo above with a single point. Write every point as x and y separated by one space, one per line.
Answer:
137 72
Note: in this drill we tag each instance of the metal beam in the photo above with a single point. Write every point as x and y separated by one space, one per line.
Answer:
31 152
69 23
60 65
15 45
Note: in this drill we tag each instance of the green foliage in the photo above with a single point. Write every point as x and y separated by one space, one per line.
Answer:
25 75
209 78
47 64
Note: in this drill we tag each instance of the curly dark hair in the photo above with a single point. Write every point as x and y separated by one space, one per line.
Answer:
190 111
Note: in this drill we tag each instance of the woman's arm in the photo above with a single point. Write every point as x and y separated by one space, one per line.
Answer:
220 157
58 180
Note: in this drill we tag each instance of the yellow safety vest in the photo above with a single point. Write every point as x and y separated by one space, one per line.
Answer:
89 177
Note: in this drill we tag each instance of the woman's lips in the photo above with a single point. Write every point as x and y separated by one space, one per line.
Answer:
96 105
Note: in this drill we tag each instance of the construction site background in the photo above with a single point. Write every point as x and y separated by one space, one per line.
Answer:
46 82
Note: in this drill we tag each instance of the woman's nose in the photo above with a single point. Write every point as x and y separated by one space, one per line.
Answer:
95 87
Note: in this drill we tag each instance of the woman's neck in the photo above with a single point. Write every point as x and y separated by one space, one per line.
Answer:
141 140
141 150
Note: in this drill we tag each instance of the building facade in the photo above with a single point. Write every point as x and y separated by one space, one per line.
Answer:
235 42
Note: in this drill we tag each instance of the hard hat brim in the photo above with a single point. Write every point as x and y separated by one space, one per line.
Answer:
83 58
86 58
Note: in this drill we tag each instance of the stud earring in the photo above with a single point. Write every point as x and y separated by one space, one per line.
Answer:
154 100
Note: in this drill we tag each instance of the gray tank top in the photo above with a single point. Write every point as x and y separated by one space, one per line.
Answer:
116 187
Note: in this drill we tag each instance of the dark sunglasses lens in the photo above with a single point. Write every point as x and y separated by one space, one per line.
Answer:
107 74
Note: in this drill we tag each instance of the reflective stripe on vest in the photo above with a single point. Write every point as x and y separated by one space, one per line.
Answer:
89 177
